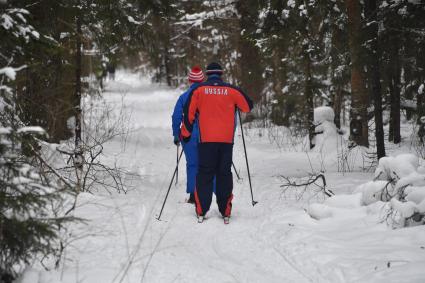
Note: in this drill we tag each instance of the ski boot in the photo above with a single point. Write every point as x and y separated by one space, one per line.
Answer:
226 219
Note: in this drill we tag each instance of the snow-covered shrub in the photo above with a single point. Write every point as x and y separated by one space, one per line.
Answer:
372 191
393 168
400 181
398 188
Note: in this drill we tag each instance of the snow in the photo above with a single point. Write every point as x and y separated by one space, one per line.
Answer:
326 138
9 72
421 89
291 3
345 201
415 194
384 4
6 21
35 34
395 167
402 11
371 191
407 209
31 130
408 103
5 131
402 184
284 238
303 10
324 113
132 20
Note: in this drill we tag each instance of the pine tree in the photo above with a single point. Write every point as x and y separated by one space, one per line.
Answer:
371 10
31 215
359 99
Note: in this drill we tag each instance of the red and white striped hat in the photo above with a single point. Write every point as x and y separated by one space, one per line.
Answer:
196 75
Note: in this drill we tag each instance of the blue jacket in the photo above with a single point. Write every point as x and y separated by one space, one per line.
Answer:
177 117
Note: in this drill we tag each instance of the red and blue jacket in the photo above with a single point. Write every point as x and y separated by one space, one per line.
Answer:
214 103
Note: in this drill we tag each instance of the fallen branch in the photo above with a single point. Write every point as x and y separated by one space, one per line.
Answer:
310 181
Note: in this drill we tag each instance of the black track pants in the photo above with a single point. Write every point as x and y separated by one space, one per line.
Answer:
215 159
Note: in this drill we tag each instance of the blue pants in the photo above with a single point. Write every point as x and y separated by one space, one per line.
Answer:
215 159
191 153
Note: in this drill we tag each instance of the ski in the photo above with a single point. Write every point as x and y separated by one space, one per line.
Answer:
200 218
226 219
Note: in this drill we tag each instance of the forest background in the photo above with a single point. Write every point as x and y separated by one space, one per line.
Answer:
365 59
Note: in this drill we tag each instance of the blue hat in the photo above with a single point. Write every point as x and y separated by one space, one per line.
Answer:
214 68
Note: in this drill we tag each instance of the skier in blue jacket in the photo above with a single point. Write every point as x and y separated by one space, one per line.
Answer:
190 148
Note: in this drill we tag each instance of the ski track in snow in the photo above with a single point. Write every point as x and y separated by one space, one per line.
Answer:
275 241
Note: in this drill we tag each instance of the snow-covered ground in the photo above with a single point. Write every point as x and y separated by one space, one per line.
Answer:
275 241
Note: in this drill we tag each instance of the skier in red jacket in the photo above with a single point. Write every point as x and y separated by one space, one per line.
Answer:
214 103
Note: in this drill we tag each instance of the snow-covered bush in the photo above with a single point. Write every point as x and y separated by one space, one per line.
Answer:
400 181
393 168
398 187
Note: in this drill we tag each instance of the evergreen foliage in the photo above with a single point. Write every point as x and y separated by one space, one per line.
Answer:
366 59
31 201
31 216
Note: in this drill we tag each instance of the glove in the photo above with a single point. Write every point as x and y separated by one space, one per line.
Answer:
186 139
176 140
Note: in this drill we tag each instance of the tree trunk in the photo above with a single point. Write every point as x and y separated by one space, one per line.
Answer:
308 92
337 85
78 89
359 97
394 134
374 54
337 103
167 62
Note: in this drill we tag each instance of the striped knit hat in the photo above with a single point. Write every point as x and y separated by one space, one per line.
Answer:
196 75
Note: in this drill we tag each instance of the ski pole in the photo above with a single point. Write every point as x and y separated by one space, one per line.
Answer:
236 171
177 162
246 159
171 183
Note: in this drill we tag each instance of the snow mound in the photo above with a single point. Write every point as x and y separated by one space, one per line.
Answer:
402 184
326 131
322 114
413 179
390 168
402 188
415 194
345 201
339 205
406 209
320 211
371 191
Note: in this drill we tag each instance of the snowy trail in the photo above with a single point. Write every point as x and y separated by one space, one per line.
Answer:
275 241
211 251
